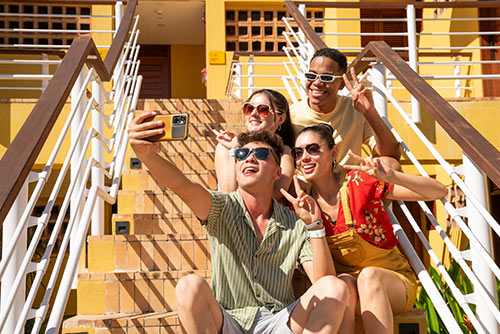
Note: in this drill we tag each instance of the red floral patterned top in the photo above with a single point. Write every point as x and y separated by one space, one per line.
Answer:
366 194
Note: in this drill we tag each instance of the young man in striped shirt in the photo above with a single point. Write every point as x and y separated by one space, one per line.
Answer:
255 244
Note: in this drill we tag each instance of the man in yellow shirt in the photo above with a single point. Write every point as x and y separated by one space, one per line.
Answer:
354 119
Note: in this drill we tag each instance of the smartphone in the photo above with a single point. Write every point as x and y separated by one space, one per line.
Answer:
175 126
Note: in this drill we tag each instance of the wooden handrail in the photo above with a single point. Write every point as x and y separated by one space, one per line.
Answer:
311 35
21 154
482 152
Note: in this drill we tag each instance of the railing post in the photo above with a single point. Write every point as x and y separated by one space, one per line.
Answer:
9 227
77 141
97 227
413 56
118 14
475 179
237 80
309 47
379 97
45 69
457 81
250 75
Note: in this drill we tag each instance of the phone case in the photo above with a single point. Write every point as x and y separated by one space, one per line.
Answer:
175 126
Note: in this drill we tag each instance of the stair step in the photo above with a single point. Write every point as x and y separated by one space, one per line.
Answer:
144 323
150 202
141 180
158 224
164 252
129 292
409 322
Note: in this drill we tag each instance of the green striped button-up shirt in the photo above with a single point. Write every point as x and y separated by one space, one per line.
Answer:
246 275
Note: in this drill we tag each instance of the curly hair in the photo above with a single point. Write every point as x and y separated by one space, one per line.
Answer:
334 55
262 136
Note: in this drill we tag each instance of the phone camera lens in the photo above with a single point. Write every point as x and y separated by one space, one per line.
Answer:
179 120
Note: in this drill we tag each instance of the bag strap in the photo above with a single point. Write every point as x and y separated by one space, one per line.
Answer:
344 197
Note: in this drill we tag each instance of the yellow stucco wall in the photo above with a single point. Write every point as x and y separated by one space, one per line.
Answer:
186 65
215 41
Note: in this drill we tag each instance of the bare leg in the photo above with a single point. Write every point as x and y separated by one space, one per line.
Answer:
348 321
197 308
321 307
381 293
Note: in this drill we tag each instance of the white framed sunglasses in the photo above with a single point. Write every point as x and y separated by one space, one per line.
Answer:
325 77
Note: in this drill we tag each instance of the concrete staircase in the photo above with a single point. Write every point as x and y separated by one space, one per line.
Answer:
129 285
155 240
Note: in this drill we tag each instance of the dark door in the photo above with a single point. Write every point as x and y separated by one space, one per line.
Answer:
490 87
155 70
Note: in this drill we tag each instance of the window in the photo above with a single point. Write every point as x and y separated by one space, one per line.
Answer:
261 30
28 21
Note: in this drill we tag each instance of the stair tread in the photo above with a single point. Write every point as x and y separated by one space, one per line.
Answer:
121 320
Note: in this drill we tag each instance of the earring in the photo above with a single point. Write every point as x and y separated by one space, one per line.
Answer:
279 128
334 164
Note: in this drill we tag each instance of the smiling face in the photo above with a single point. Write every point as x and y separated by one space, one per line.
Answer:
253 173
255 122
318 164
322 96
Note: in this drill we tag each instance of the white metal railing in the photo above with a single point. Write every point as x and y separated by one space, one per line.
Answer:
107 133
484 269
43 76
455 71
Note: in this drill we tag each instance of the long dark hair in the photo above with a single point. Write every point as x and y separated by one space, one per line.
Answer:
279 104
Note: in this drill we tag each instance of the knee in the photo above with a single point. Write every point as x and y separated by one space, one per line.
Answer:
187 289
370 281
332 287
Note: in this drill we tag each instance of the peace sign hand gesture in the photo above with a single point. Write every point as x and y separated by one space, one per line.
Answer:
304 205
375 167
362 98
226 138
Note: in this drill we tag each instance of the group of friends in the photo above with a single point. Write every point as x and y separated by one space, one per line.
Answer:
294 191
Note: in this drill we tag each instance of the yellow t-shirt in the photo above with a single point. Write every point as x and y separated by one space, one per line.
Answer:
350 128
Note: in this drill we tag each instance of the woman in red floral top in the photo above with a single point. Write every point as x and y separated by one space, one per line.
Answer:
359 233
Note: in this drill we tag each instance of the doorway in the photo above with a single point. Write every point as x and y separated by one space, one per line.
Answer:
491 88
155 70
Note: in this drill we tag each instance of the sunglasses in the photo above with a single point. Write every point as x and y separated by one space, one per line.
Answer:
260 153
263 109
312 149
311 76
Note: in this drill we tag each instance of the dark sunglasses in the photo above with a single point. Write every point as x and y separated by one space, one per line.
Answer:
312 149
263 109
260 153
311 76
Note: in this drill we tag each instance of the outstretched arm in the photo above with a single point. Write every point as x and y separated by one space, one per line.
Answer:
308 210
193 194
362 100
407 187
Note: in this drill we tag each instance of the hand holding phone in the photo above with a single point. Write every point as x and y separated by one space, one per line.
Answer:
175 127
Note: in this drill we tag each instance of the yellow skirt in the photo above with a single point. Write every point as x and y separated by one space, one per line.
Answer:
351 253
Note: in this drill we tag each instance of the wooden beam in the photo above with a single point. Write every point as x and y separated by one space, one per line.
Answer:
24 149
21 154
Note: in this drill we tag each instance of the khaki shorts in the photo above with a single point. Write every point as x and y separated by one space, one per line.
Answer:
265 322
351 253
